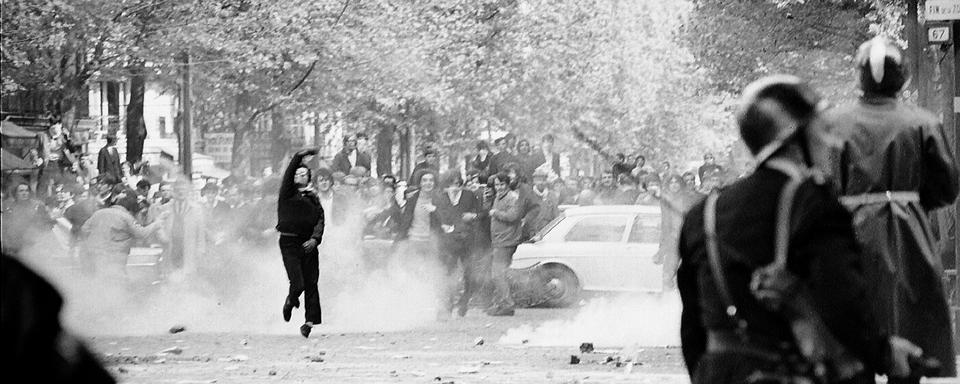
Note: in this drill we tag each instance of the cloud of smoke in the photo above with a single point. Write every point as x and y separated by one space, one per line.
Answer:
621 321
241 288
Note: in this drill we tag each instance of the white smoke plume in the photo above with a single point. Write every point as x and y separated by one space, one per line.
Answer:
619 321
241 288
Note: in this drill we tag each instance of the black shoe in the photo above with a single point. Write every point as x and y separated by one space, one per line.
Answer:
305 330
288 309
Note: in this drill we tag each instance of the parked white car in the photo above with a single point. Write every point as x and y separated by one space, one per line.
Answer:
596 248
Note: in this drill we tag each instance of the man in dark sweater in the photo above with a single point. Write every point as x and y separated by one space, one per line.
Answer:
458 211
300 223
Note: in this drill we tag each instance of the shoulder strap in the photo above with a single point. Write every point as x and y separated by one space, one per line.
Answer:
713 254
781 240
785 208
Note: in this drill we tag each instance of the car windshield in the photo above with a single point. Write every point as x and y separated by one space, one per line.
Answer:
608 228
546 228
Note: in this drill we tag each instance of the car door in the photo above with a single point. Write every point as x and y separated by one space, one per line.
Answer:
593 246
642 246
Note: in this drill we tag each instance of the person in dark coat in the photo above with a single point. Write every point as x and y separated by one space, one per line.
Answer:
431 162
108 160
36 347
728 333
417 220
350 157
458 210
499 160
526 159
481 163
894 165
300 223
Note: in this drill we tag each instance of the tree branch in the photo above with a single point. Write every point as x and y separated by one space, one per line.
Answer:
342 11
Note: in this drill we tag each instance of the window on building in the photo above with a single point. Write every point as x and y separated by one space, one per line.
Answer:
162 125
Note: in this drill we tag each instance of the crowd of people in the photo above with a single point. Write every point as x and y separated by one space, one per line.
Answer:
468 220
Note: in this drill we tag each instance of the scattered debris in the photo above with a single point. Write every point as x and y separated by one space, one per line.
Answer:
239 358
273 372
160 361
173 350
122 370
316 359
524 341
366 348
469 370
586 348
478 341
400 357
177 329
243 342
574 359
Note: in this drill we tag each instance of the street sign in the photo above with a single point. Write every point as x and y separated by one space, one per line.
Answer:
219 145
942 10
939 33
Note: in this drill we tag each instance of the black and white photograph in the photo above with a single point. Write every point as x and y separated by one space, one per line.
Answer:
480 191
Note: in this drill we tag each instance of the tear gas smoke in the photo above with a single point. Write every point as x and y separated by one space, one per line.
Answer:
241 288
621 321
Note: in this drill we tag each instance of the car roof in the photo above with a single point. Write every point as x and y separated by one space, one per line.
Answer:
608 209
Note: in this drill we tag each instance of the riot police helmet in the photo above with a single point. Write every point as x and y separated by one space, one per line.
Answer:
772 110
883 67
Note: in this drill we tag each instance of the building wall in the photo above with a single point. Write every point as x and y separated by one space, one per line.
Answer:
159 110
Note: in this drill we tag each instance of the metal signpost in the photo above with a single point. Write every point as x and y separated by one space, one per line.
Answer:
940 29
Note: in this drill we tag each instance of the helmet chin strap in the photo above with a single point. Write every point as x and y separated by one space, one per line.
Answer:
771 149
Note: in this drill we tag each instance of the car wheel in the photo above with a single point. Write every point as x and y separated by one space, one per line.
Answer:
562 286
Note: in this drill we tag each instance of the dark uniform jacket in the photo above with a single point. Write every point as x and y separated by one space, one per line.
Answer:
879 145
823 253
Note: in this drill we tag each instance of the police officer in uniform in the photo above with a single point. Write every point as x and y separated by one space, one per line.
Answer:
893 165
770 279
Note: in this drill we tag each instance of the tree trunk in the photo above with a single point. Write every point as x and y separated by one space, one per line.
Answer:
281 141
385 150
405 166
237 156
135 128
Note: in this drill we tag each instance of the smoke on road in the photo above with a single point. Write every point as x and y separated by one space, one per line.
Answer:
241 288
620 321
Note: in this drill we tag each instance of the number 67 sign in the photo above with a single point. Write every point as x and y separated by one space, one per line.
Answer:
938 33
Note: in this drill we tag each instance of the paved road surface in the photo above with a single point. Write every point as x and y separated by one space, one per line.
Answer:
442 352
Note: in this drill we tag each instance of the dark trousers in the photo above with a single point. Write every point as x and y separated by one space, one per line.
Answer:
456 250
303 271
502 257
